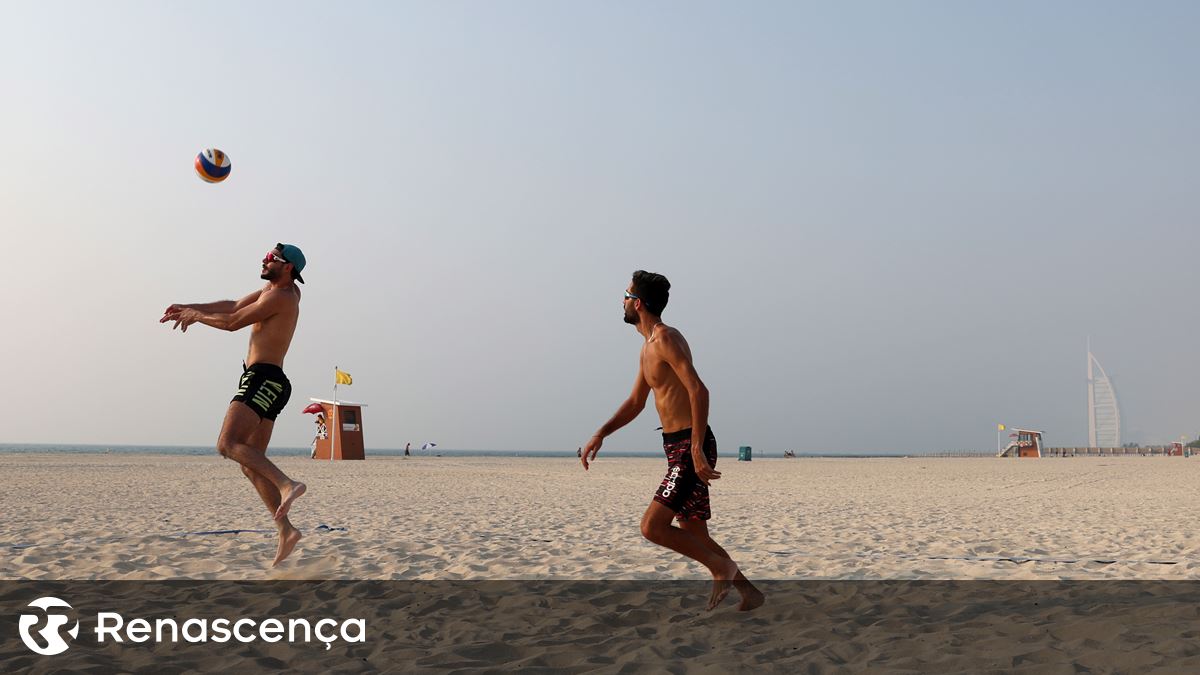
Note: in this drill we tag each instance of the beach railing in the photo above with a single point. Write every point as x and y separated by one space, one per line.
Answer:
1135 451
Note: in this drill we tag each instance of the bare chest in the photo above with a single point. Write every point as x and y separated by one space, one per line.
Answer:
654 368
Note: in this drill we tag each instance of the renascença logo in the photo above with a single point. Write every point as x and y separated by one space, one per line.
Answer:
50 633
111 626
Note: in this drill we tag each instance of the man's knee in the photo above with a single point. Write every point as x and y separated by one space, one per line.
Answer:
227 443
648 531
248 472
653 529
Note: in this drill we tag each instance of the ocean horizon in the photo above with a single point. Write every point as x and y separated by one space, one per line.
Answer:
102 448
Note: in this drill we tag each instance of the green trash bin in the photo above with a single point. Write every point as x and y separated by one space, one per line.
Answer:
744 453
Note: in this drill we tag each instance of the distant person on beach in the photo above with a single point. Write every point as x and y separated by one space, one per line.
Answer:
263 389
665 367
322 434
406 447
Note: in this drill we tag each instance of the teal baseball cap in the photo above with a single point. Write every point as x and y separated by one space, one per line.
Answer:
295 256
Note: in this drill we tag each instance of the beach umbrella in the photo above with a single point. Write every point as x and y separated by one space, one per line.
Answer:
313 408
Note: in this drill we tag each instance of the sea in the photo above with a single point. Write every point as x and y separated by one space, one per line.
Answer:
102 449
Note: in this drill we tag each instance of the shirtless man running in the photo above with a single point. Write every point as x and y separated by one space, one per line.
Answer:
263 389
682 401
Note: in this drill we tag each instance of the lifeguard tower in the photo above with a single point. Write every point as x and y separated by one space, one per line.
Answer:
344 439
1028 444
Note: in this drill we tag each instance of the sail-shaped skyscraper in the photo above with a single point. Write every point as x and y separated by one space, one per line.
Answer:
1104 417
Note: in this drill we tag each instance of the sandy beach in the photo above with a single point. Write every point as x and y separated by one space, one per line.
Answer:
500 564
446 518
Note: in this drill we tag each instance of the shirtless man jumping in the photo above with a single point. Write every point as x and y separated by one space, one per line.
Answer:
263 389
682 401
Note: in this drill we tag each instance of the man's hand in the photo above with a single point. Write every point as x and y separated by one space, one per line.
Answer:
182 317
703 469
590 450
170 312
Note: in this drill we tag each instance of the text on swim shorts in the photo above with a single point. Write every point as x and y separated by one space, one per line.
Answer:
264 397
670 486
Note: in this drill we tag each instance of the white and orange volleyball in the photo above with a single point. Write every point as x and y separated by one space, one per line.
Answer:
212 165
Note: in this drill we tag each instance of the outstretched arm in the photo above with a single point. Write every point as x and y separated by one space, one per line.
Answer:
264 306
630 409
675 353
218 307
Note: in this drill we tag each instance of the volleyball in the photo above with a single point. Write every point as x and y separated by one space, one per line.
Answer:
212 165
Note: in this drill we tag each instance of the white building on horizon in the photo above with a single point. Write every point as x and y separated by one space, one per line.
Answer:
1104 417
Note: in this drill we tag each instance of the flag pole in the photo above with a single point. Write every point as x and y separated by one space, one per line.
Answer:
336 428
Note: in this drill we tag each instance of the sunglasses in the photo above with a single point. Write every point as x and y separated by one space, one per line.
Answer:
631 296
273 257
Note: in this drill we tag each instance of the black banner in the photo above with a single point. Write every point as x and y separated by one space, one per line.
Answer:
598 626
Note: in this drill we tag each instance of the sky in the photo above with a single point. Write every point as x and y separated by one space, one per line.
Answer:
888 226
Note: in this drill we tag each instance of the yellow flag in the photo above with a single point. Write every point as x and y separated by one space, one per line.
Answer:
999 427
342 378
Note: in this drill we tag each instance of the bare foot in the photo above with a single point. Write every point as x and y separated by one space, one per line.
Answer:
722 582
752 598
293 493
287 542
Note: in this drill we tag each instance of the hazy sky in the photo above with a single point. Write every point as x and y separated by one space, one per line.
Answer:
888 226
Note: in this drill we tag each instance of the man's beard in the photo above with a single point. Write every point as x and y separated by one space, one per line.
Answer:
631 317
269 274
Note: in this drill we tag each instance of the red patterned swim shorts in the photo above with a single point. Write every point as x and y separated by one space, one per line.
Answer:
681 489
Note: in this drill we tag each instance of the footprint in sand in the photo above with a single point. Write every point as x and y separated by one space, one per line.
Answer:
323 567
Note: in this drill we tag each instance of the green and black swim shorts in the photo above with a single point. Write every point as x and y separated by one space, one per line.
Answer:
265 389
